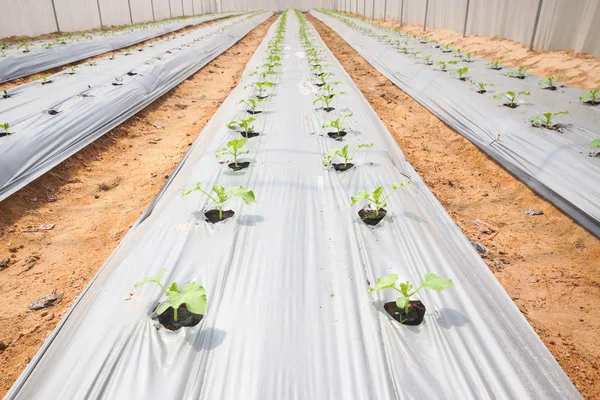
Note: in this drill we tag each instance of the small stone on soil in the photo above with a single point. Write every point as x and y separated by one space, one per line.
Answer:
4 262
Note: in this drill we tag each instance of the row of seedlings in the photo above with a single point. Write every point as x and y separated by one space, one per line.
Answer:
403 310
186 307
511 99
47 79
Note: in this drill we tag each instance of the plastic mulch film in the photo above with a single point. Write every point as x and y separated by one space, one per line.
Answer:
289 316
50 122
556 164
44 55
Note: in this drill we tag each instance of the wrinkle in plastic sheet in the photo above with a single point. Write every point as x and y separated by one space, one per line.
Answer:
41 141
288 314
556 165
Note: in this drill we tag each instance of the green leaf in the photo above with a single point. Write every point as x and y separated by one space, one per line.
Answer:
399 185
405 288
401 302
155 279
377 193
220 192
385 282
435 282
237 144
162 307
188 191
174 287
595 144
362 195
194 297
243 193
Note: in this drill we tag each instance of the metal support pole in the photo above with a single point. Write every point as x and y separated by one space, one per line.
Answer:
55 17
201 7
99 13
130 14
425 20
384 9
193 11
535 24
152 5
182 8
466 18
373 11
401 13
170 12
365 8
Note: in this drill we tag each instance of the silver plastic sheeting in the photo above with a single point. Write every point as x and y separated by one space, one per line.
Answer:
17 64
288 313
52 122
557 165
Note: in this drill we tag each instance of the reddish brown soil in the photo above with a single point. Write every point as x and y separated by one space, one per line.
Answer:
548 264
93 198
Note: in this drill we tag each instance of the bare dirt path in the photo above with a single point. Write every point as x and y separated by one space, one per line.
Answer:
548 264
92 199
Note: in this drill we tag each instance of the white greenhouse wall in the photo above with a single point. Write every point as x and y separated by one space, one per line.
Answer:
564 24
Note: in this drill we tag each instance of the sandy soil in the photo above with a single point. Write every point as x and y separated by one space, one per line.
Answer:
547 264
27 79
92 199
579 69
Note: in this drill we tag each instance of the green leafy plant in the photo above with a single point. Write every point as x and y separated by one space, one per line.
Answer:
458 53
323 78
461 73
5 94
72 69
47 46
251 104
326 99
444 64
468 57
495 64
260 88
446 48
414 54
221 195
481 87
191 294
233 149
118 81
550 82
427 60
405 50
5 127
546 120
519 72
591 97
406 289
338 123
345 153
595 144
512 97
26 47
92 63
329 88
245 125
376 197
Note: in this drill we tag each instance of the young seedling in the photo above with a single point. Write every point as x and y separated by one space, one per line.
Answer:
345 154
328 88
186 306
519 72
317 70
495 64
405 310
338 124
323 78
234 149
468 57
5 94
45 79
92 63
260 88
326 100
246 127
458 53
4 127
461 73
511 97
373 216
221 195
118 82
446 48
414 54
549 83
444 65
251 105
595 144
405 50
72 69
427 60
592 97
47 46
263 74
481 87
546 120
25 46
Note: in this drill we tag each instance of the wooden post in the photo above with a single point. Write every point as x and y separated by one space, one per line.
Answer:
535 24
466 18
55 16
